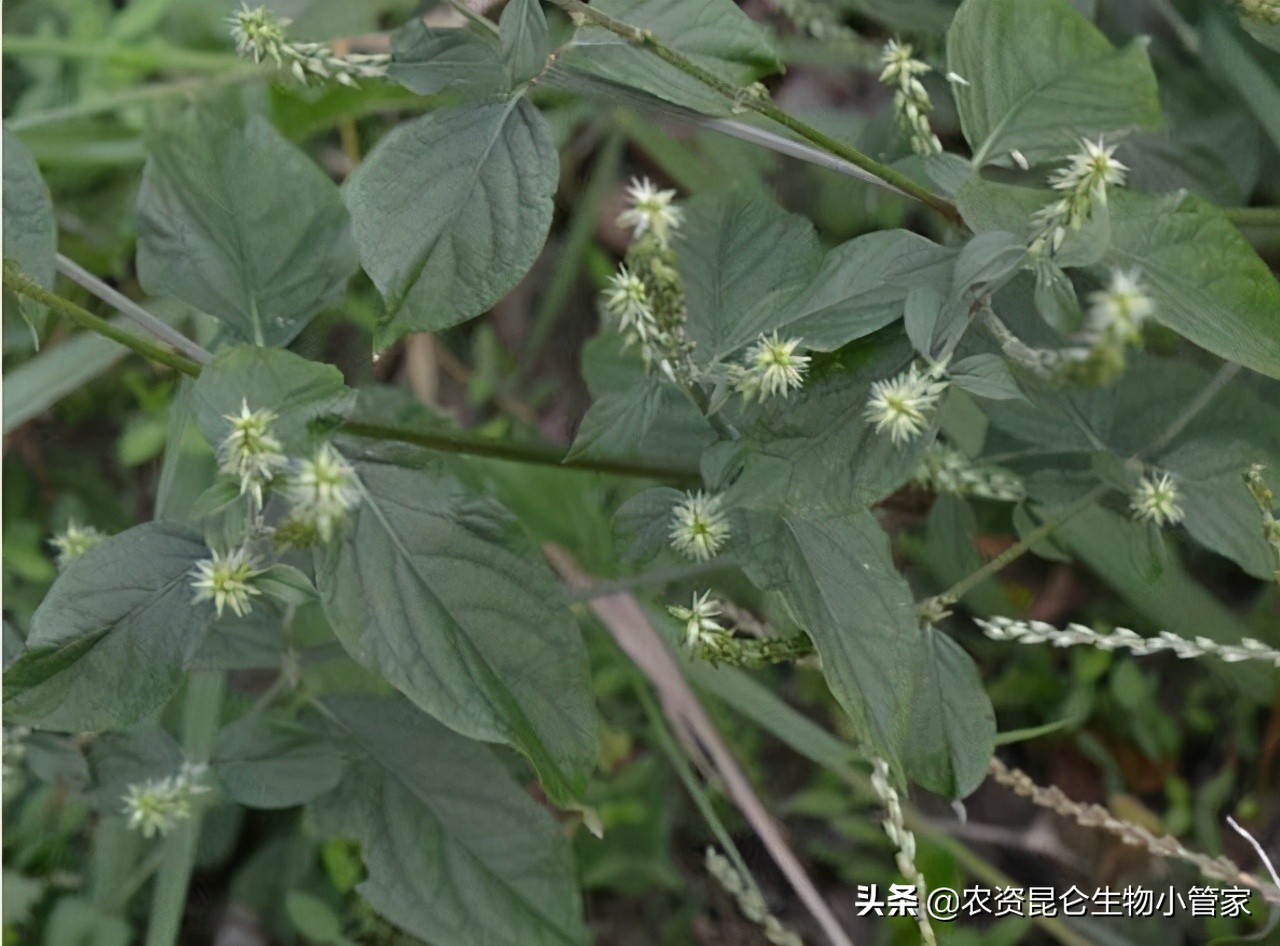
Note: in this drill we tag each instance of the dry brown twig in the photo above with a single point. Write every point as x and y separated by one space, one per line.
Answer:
626 621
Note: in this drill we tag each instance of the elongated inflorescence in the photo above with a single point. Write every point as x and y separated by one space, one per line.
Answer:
1074 635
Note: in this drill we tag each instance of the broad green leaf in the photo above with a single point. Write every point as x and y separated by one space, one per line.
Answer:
437 590
77 920
835 573
458 854
1227 53
270 762
1208 283
1041 76
715 34
239 223
633 414
299 392
985 376
863 284
743 262
643 523
990 206
522 29
109 642
30 233
451 209
953 727
432 61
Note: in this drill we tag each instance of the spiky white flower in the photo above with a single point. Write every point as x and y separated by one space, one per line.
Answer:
1121 308
1093 168
249 452
1155 499
74 541
651 211
773 368
259 35
911 100
699 618
949 471
227 580
159 805
699 526
627 300
895 828
322 492
904 404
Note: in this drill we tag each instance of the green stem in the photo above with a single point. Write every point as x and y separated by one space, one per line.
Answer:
1253 216
147 93
18 281
201 717
143 58
536 454
756 99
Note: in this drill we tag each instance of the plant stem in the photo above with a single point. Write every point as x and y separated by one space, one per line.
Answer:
1253 216
201 717
18 281
756 99
144 93
126 306
536 454
144 58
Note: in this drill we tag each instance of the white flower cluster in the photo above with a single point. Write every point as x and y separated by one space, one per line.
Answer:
653 210
645 297
260 35
1264 11
896 829
911 99
947 470
699 526
1038 632
74 541
157 806
772 369
749 900
227 581
321 493
1084 182
14 751
699 619
904 404
249 453
1155 499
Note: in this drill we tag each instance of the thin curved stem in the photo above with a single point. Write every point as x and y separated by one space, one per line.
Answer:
756 99
19 282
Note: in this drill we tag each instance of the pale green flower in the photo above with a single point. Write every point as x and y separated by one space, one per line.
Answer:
227 580
904 404
1156 500
699 618
699 526
157 806
773 368
652 211
322 492
249 452
74 541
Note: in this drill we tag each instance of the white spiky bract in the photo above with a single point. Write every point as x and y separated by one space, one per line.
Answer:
652 211
699 618
1155 499
1121 308
249 452
904 404
895 827
911 99
157 806
699 527
322 492
74 541
773 369
227 581
259 35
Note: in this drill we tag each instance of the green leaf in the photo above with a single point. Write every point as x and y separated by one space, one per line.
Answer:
863 284
715 34
109 642
743 262
299 392
1041 76
953 727
985 375
239 223
313 918
643 523
30 232
432 61
437 589
1208 283
458 853
522 29
836 575
1226 52
451 209
270 762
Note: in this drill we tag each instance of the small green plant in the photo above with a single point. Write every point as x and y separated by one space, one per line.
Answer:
793 441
